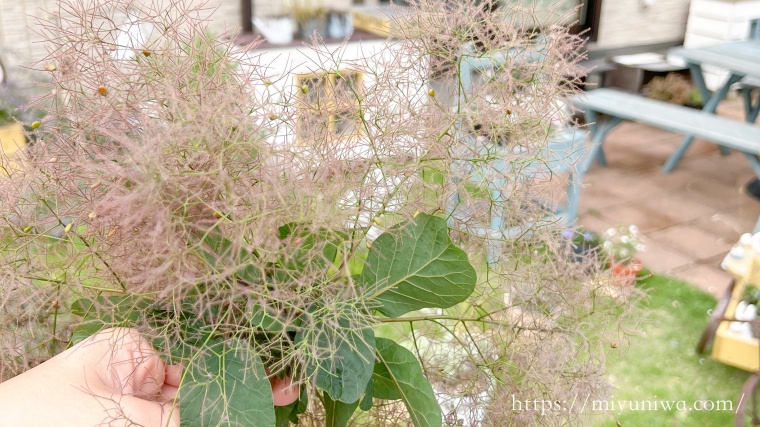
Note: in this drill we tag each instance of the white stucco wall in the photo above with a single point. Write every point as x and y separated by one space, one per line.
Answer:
19 46
641 22
227 16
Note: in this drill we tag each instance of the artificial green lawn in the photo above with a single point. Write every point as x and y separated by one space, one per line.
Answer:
662 363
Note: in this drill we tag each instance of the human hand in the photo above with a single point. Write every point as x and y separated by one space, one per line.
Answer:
113 378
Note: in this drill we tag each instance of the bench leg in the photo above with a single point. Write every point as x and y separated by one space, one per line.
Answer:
751 110
676 156
573 194
754 162
596 126
600 157
596 152
711 105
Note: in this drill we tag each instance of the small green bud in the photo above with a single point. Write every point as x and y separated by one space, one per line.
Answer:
304 89
36 124
68 227
27 229
431 92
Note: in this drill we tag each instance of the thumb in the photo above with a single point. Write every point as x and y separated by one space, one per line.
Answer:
133 367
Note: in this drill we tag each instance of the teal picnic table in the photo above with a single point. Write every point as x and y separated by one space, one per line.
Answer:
740 59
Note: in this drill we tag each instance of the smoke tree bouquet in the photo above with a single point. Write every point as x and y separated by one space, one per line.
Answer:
174 189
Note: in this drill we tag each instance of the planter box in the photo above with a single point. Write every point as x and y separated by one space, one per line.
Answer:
308 27
12 139
733 349
728 346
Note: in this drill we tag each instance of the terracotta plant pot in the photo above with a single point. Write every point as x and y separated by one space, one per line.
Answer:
625 274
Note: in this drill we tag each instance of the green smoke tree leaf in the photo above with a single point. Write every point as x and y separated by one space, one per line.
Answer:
289 414
337 413
343 356
226 386
398 375
414 266
366 402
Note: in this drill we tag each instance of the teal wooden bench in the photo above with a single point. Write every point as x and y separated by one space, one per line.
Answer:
623 106
748 87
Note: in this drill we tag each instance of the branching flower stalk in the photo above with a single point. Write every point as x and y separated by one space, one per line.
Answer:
336 229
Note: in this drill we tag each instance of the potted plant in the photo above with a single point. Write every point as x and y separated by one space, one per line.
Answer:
750 298
751 294
340 24
695 99
620 247
310 17
675 89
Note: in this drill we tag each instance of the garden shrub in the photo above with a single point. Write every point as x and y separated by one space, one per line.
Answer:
172 189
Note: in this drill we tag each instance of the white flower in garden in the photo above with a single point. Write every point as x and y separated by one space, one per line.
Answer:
622 243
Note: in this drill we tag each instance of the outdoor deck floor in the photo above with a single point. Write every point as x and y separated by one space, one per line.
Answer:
690 217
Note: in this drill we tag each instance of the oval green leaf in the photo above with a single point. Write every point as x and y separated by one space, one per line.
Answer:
337 414
342 357
226 386
414 266
398 375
